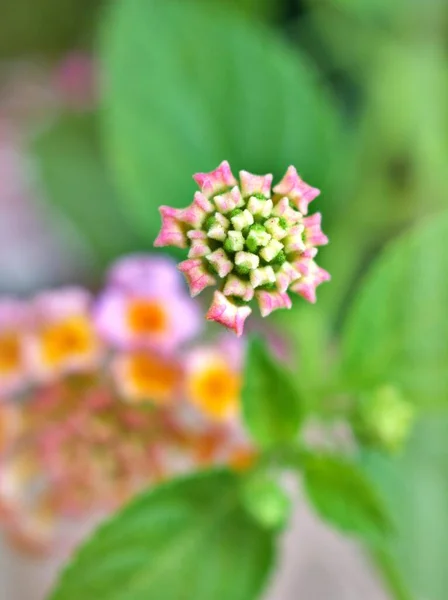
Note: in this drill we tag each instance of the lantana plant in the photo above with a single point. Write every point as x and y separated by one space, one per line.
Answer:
248 239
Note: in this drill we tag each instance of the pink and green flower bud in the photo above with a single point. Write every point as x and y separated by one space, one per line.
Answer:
197 276
312 277
255 184
198 244
283 210
286 275
313 233
260 207
296 190
247 260
172 232
270 251
235 241
220 262
242 238
227 313
270 301
197 212
240 288
242 220
229 201
275 228
257 237
217 181
262 276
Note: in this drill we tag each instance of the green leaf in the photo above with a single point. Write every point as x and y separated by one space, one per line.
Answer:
415 490
186 539
189 84
266 500
271 408
76 184
343 496
397 332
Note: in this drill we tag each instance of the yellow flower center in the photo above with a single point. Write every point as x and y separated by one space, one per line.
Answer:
151 377
10 353
66 339
215 390
146 317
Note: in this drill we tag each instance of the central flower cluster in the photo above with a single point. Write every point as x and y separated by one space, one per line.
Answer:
248 239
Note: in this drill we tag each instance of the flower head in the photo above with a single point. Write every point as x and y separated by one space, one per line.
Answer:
145 307
63 339
248 240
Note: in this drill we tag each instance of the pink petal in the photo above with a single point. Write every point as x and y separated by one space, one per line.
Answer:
228 314
196 213
197 276
216 181
312 277
255 184
313 232
270 301
172 232
296 190
286 275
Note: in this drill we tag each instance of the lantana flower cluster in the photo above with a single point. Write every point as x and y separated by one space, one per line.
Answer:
250 240
102 395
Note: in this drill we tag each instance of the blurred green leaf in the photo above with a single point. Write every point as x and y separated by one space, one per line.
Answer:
45 26
185 539
266 500
415 489
343 496
187 85
397 331
271 407
77 184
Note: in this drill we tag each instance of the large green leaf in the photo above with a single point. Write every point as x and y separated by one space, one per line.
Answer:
77 185
397 331
271 407
344 497
188 84
415 489
186 539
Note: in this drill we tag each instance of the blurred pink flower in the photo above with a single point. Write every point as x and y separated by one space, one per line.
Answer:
145 307
63 339
213 378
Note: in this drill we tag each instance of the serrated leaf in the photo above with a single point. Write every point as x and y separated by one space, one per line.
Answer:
397 331
271 406
343 496
190 84
77 184
186 539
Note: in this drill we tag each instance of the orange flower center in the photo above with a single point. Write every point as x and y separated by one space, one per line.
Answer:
147 316
215 390
71 337
10 353
152 378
